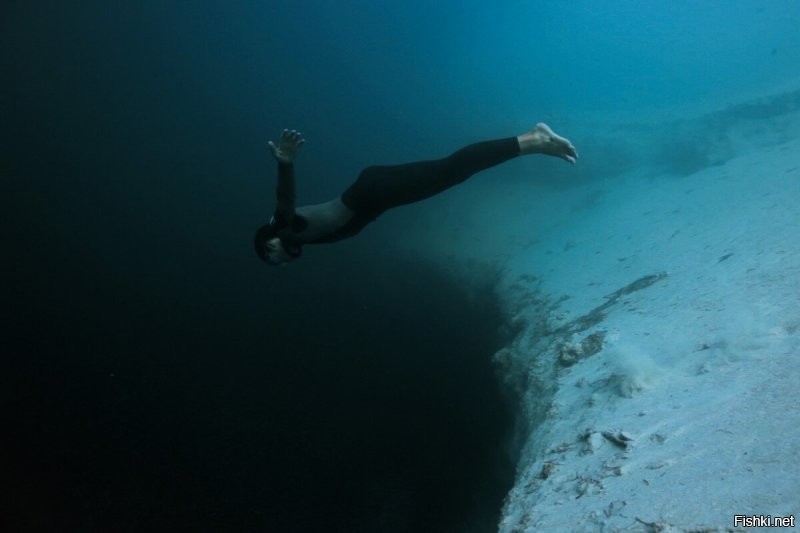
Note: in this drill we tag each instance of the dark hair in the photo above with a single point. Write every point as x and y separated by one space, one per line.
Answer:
268 232
263 235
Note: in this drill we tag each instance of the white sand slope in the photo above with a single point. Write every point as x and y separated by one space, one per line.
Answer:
664 393
659 302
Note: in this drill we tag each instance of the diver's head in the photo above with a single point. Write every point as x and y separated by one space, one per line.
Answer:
271 249
277 253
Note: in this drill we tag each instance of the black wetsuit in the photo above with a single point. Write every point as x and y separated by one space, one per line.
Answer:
380 188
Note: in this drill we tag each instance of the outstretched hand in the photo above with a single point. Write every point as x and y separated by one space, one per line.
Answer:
288 146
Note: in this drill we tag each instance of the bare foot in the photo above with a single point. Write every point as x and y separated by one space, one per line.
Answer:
542 140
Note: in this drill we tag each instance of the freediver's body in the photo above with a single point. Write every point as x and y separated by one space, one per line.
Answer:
380 188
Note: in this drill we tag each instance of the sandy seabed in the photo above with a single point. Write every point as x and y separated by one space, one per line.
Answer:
660 354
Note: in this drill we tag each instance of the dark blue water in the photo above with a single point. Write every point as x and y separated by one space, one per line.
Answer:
156 375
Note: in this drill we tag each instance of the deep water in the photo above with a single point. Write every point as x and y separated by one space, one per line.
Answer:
156 376
365 403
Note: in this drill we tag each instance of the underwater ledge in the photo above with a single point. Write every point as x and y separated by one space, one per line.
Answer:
669 407
658 354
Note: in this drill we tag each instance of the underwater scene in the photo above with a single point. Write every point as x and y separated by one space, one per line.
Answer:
400 266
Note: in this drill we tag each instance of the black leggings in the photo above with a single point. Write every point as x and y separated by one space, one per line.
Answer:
379 188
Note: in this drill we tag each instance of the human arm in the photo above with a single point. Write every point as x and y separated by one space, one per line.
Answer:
285 153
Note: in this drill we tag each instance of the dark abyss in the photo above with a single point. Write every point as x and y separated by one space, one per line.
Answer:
156 376
349 408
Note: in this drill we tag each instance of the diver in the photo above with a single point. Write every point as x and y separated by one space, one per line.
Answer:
380 188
